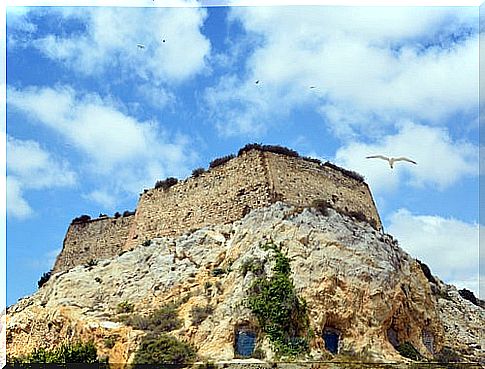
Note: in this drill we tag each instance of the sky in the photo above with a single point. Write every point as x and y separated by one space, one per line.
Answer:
101 102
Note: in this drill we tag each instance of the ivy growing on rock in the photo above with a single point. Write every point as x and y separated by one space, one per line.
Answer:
281 314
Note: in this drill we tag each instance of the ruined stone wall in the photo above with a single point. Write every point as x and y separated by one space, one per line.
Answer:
299 182
221 195
95 239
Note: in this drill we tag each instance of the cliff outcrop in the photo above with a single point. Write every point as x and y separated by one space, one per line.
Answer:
362 292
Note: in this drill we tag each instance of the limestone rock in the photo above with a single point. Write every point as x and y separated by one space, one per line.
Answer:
355 280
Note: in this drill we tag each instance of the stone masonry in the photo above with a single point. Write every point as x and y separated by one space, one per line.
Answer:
254 179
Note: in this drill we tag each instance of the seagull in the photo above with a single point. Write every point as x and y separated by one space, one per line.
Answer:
312 87
391 161
140 46
257 81
163 40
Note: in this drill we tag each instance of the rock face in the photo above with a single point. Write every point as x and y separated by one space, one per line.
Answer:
356 281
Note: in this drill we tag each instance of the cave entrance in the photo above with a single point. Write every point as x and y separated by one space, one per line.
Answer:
331 336
392 337
245 342
428 341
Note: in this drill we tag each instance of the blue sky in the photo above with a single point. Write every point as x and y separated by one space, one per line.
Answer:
92 119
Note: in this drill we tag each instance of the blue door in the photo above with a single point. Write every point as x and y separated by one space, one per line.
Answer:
245 343
331 341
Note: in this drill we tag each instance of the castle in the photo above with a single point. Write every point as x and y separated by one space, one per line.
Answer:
257 177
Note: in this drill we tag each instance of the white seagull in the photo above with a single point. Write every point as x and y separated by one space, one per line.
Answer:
140 46
391 161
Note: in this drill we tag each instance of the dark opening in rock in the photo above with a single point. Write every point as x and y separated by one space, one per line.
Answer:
331 336
245 342
428 341
392 337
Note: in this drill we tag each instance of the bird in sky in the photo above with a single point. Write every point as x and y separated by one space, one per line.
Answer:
140 46
257 81
163 40
391 161
312 87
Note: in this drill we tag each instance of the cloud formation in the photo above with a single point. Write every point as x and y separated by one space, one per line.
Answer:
121 153
367 65
441 160
448 246
30 167
109 36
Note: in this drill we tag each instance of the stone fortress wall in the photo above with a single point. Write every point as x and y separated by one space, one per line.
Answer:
223 194
95 239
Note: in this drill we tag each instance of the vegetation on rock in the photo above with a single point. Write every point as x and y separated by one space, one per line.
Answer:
166 183
163 349
45 277
219 161
73 352
199 313
124 307
281 314
81 219
198 171
407 350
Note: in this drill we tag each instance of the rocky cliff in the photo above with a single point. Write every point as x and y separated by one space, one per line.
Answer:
357 283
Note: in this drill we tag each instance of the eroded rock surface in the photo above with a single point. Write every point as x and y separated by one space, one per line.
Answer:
355 280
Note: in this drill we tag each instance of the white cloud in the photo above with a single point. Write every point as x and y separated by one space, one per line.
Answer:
119 151
103 197
29 167
448 246
34 167
112 34
17 206
441 160
419 63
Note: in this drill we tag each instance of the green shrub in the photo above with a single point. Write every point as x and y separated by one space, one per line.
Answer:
166 183
407 350
163 349
92 262
128 213
469 295
197 172
348 173
312 160
199 314
281 314
76 352
164 319
109 342
147 243
253 265
124 307
219 161
45 277
81 219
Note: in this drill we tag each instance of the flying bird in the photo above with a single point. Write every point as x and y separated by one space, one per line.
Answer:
140 46
312 87
257 81
163 40
391 161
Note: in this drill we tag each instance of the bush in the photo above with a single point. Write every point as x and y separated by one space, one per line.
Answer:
312 160
124 307
219 161
426 272
407 350
348 173
199 314
197 172
163 349
45 277
468 295
102 215
82 219
109 342
217 272
277 149
164 319
91 262
128 213
76 352
117 215
147 243
252 265
281 314
166 183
